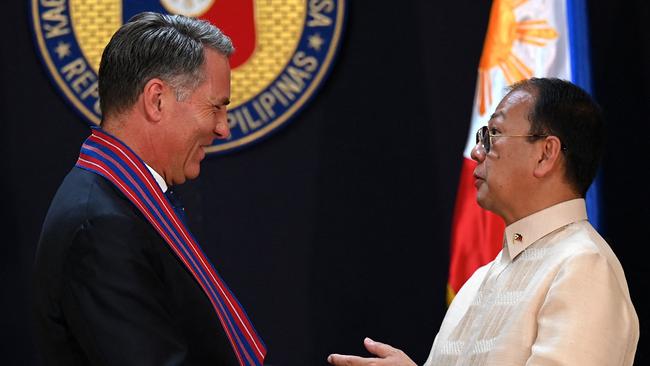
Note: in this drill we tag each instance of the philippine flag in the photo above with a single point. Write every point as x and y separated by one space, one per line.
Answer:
525 38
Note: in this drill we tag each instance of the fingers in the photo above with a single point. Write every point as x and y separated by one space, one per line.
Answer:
347 360
380 349
388 356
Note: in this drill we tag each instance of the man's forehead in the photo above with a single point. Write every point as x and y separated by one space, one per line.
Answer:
497 114
514 99
519 95
519 100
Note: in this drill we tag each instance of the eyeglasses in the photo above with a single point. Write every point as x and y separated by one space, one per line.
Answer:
484 136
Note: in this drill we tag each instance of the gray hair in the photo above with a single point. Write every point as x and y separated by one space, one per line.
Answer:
152 45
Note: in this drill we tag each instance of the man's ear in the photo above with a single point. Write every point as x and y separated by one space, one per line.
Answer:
152 98
549 156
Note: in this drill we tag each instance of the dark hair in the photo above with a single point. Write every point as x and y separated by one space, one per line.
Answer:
152 45
564 110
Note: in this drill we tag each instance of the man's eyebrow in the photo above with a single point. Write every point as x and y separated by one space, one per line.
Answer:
219 102
496 114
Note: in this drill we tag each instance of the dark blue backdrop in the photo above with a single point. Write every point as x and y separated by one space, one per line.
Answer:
338 226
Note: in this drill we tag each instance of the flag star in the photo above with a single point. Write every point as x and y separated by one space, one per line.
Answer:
315 41
62 49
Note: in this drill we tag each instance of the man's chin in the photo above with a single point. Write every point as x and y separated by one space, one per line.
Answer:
202 152
193 172
482 201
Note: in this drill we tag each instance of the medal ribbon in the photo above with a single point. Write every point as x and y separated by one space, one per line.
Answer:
105 155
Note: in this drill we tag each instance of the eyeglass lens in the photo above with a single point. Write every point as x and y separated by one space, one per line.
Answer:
483 138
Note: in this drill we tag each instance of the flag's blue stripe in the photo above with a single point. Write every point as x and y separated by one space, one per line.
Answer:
579 44
581 75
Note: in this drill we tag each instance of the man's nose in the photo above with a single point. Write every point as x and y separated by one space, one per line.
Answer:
222 129
478 152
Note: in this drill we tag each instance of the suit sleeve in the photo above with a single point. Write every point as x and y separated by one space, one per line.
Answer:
585 318
114 299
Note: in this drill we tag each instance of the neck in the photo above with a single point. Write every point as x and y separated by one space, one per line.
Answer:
538 201
137 137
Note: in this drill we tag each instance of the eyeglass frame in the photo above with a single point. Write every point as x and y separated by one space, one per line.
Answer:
484 131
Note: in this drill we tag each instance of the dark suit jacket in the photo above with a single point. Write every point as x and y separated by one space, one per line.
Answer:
109 291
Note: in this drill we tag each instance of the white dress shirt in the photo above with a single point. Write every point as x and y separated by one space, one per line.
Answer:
555 295
159 179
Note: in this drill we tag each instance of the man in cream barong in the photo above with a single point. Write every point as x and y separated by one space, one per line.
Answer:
556 294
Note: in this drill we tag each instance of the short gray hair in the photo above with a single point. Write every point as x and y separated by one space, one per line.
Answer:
152 45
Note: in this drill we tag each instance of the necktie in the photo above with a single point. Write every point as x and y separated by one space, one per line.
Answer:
176 203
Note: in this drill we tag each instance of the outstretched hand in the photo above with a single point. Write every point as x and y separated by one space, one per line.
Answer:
387 356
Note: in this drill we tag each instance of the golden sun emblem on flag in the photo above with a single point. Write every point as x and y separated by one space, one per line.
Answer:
503 31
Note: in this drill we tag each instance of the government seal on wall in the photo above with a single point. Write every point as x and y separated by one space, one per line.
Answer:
284 50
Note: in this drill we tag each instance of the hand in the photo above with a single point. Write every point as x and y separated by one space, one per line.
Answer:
388 356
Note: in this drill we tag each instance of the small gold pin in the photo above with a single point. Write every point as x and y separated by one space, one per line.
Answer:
517 237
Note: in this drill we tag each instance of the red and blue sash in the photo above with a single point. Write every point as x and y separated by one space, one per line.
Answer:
105 155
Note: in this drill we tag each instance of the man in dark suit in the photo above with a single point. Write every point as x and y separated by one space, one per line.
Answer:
118 278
